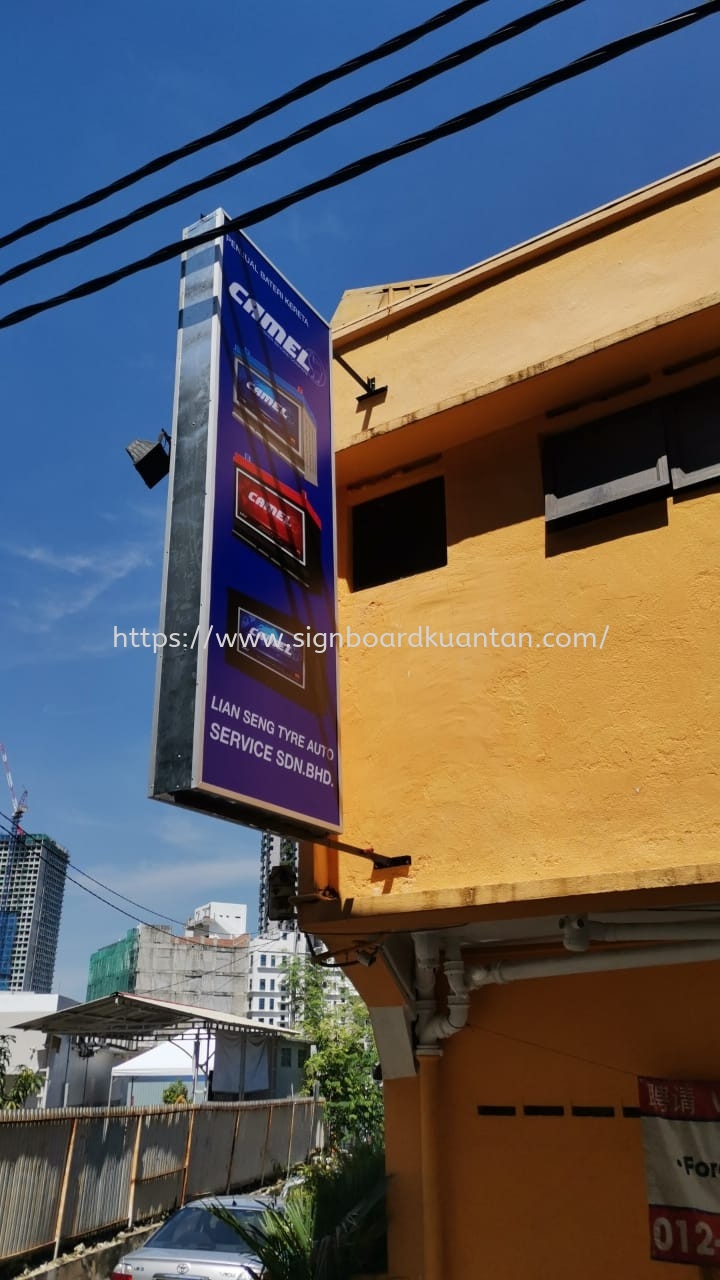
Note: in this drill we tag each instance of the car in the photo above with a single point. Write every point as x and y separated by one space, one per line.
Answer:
196 1244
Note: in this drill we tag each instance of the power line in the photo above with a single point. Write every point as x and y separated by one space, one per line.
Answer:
229 966
114 892
394 90
587 62
100 898
302 90
92 892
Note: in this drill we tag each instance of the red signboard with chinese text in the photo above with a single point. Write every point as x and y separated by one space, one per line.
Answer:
681 1141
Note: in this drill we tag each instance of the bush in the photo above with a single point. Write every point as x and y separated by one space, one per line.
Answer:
175 1094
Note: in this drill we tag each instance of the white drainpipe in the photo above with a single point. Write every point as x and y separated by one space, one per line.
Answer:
503 971
433 1026
579 931
702 945
687 931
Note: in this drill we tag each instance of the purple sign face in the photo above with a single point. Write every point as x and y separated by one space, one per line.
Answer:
264 721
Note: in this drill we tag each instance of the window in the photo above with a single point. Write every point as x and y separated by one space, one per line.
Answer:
263 960
693 427
261 1002
272 1004
667 444
594 469
272 962
398 535
285 1057
272 984
303 1055
261 984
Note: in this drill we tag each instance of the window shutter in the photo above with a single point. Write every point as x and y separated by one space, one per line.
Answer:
693 434
594 469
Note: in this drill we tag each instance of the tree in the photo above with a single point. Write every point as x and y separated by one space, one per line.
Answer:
175 1093
26 1083
343 1064
304 985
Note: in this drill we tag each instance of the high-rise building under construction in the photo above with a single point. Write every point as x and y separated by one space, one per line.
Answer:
32 876
273 850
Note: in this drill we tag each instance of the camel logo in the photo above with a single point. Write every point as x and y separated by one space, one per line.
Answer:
308 361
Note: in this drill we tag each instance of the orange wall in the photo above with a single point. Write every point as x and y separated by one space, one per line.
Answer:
516 773
512 775
506 774
545 1196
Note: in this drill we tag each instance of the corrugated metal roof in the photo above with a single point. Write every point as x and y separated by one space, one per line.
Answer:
122 1016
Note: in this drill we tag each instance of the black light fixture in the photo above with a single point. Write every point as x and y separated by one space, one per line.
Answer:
151 458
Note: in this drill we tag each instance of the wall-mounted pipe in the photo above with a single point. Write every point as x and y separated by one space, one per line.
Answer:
431 1025
684 931
503 971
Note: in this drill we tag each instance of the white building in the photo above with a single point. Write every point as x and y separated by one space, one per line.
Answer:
269 956
72 1075
220 919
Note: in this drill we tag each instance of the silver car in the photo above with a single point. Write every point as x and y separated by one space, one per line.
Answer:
194 1244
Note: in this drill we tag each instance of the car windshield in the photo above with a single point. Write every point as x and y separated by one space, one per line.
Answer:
197 1228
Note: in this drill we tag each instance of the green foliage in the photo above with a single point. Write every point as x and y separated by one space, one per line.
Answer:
350 1208
342 1066
304 984
282 1240
175 1093
331 1227
26 1084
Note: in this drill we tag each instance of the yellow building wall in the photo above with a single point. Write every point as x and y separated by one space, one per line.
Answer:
499 767
517 778
618 272
513 773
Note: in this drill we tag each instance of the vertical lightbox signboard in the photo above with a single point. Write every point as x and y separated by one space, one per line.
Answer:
246 712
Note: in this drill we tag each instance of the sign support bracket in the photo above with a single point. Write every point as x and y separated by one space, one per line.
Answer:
370 390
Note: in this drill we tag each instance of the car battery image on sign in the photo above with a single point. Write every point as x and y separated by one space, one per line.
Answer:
277 521
265 646
278 414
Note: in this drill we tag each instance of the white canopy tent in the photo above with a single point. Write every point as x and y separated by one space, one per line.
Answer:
187 1058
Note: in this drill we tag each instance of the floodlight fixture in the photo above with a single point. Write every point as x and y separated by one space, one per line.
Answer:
151 458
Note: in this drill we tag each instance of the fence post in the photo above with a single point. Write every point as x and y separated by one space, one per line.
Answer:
232 1149
267 1136
133 1171
290 1139
188 1152
64 1187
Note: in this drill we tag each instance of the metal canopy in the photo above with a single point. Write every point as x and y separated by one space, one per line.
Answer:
123 1016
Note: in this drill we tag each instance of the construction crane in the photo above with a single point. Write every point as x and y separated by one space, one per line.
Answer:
16 844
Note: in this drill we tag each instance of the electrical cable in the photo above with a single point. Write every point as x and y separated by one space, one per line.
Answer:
300 91
100 898
141 906
394 90
595 58
229 967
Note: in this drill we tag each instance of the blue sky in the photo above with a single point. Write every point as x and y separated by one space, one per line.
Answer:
88 91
